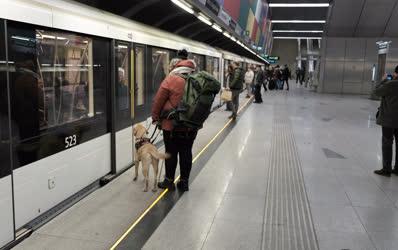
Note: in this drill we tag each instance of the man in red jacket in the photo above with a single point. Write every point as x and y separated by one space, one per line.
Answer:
178 140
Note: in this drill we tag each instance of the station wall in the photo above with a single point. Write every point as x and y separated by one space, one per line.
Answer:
287 50
346 64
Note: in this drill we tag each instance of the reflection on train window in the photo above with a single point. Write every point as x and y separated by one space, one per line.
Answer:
122 88
52 82
140 74
160 69
64 77
199 60
212 67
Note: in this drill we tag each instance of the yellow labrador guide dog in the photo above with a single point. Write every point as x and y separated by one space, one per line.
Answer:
147 154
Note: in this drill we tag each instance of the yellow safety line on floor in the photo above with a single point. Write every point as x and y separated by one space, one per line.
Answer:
166 190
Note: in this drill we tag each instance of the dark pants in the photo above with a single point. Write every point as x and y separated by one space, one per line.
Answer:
179 144
287 83
235 101
265 86
257 94
387 145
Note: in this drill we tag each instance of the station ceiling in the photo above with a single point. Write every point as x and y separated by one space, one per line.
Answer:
163 14
364 18
299 13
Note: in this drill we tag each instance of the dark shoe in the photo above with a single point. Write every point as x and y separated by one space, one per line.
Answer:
383 172
167 184
232 117
247 96
182 185
395 171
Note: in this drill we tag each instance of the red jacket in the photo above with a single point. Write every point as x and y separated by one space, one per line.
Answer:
170 94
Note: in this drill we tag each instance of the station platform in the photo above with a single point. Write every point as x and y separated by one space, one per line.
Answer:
295 172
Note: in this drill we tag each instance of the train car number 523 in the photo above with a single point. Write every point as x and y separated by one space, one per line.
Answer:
70 141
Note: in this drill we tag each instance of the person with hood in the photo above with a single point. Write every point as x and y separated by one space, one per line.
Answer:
178 140
387 118
249 78
236 85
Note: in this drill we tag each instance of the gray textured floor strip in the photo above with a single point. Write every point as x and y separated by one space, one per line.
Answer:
287 219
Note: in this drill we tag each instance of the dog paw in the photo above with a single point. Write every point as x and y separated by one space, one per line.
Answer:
145 190
154 190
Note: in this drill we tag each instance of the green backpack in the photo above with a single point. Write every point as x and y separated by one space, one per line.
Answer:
195 107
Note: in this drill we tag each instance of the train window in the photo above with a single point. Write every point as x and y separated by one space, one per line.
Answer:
199 60
55 78
140 75
123 71
212 66
160 69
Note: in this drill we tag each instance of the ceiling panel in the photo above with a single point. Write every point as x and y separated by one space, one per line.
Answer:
299 13
374 18
296 34
345 16
391 27
301 26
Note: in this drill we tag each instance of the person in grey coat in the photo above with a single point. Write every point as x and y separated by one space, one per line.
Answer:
388 118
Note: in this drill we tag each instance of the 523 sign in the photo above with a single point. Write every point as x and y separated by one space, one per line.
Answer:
70 141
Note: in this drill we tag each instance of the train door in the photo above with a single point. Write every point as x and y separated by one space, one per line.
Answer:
139 96
6 202
123 111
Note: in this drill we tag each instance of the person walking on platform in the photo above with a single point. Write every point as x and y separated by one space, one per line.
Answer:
387 117
236 85
259 81
178 140
249 78
286 74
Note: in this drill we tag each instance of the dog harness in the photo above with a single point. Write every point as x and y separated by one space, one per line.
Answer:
141 142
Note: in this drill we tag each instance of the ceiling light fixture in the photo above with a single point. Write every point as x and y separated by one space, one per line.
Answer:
298 21
297 31
290 5
295 37
204 19
226 34
183 5
216 27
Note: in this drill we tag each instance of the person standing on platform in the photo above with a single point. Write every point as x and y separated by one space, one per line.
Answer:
178 140
286 74
228 78
387 118
249 78
298 75
259 81
236 85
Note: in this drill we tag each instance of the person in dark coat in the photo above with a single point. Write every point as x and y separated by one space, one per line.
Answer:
387 117
258 81
285 77
236 85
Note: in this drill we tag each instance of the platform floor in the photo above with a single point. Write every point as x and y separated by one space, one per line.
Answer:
295 172
337 146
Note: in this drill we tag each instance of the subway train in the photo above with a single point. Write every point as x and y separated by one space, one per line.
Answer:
73 81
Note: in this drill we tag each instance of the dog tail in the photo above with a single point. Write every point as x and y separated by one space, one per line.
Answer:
158 155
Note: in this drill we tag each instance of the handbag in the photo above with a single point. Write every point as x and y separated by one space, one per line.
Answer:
226 95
